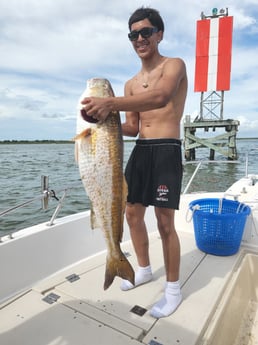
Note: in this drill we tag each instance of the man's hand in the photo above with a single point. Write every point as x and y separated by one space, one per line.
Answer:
96 107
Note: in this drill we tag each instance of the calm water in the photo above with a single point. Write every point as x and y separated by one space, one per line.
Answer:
23 164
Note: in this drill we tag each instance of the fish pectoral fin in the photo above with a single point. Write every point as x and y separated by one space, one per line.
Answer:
85 133
118 266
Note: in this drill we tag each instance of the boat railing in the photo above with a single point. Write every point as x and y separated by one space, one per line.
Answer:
199 164
45 196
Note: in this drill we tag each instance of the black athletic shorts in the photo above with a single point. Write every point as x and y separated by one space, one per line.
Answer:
154 173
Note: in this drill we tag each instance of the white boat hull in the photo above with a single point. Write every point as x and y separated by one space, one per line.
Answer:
36 263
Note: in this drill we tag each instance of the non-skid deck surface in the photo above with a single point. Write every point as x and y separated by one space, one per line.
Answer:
81 312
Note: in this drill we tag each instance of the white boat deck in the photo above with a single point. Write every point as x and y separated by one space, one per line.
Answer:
86 314
57 311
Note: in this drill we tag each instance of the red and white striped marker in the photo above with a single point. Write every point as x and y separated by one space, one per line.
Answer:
213 54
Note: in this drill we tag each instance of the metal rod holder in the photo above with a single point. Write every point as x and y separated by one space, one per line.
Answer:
44 190
57 210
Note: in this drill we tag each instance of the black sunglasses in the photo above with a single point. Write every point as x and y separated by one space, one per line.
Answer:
144 32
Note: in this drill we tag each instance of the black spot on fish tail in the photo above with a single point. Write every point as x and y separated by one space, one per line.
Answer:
119 267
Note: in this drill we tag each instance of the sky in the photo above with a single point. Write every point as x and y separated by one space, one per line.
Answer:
48 50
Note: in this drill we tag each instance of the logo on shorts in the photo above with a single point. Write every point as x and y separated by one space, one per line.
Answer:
162 192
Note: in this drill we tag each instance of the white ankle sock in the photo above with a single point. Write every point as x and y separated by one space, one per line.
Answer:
142 276
169 302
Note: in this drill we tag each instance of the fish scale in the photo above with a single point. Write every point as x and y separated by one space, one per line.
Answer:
99 152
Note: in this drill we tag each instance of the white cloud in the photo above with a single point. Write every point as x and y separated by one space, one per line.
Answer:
49 49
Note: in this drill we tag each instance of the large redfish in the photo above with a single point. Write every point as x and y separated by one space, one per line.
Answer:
99 153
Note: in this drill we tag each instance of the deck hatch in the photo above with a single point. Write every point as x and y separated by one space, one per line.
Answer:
51 298
72 277
140 311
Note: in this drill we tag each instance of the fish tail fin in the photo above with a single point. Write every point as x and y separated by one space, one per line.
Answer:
119 267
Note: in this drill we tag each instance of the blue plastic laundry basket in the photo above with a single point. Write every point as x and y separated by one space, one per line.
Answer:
219 225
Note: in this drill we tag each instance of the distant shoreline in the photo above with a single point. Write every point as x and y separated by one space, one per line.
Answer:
41 141
72 142
36 142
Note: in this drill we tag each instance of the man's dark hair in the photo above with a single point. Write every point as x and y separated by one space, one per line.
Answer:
147 13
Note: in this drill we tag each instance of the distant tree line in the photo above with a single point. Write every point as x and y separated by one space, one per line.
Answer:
36 142
43 141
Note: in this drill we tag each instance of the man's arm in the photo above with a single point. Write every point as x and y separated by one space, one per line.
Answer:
131 125
165 89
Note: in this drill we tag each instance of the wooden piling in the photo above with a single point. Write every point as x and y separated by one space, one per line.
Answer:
224 144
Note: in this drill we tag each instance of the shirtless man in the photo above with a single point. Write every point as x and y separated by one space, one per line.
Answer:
154 103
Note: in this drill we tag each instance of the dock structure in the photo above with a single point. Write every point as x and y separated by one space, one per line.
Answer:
224 144
212 76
